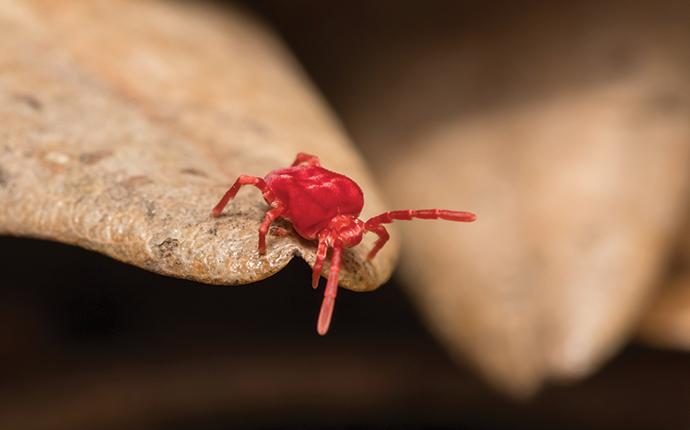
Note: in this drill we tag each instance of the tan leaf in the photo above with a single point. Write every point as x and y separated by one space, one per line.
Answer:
666 323
572 146
123 122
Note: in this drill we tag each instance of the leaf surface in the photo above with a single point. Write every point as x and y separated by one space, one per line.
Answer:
124 122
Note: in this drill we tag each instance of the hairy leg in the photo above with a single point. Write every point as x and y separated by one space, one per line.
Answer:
331 291
409 214
242 180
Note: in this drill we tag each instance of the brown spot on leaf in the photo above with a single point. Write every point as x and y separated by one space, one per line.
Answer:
3 177
166 249
193 172
258 128
29 100
89 158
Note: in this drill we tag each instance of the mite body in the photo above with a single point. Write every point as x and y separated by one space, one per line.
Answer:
324 206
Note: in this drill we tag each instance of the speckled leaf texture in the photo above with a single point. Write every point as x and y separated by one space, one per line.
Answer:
123 122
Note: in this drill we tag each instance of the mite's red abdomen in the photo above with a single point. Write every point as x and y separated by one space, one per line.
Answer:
313 195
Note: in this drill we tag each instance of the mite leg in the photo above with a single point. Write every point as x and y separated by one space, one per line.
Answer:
374 224
383 238
308 159
329 294
409 214
242 180
318 264
268 220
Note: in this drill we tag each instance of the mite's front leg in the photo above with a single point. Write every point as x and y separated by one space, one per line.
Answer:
230 194
268 220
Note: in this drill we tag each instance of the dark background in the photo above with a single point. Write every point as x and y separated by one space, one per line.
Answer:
86 339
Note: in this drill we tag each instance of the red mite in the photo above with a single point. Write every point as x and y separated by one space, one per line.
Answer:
324 206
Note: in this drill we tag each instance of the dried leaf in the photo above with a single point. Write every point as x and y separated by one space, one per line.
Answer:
666 323
574 153
123 122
